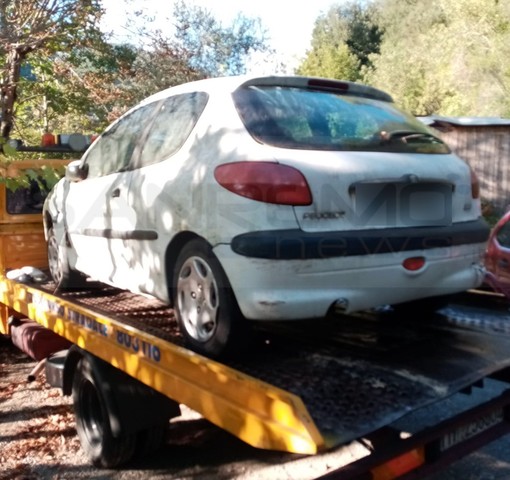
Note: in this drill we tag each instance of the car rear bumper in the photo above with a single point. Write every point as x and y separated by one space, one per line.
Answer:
299 245
297 289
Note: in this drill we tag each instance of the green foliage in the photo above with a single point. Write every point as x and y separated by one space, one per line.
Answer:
331 61
445 57
45 176
211 47
27 27
343 40
6 150
84 81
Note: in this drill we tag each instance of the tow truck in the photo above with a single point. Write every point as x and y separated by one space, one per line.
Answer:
303 387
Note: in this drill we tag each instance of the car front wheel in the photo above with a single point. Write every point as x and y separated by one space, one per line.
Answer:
206 309
63 275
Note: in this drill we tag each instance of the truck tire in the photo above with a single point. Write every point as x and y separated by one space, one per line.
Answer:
205 306
150 440
93 421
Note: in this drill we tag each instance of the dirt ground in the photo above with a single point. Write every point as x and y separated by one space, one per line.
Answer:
38 441
36 422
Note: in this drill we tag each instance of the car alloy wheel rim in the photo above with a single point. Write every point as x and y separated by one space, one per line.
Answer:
198 301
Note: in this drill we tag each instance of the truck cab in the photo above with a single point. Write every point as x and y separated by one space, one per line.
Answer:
21 226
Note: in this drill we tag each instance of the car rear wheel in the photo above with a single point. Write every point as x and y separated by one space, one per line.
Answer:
206 309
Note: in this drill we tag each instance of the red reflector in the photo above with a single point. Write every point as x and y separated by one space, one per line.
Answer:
399 466
265 182
414 263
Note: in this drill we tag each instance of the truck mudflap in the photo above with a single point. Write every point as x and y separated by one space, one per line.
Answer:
304 386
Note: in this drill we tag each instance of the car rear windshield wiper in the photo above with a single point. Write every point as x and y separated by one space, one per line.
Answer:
407 135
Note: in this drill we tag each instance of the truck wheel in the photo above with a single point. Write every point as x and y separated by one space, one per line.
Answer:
93 421
151 440
206 309
60 271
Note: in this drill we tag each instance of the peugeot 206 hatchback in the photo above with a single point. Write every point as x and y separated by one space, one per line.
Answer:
273 198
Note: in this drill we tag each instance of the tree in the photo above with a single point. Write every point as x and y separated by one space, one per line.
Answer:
211 47
195 46
85 80
73 90
93 85
106 79
445 57
343 40
333 61
27 26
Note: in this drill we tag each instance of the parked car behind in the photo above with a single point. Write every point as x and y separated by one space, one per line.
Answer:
497 257
272 198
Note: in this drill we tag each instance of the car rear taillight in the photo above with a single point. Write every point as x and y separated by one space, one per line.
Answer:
414 263
475 184
265 182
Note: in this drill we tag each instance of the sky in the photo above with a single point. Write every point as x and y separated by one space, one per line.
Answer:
289 22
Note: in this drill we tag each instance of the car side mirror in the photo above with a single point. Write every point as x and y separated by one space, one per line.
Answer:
76 171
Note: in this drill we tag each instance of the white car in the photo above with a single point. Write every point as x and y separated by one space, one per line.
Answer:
272 198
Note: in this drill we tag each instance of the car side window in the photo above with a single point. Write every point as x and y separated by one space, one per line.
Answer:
112 152
503 235
172 125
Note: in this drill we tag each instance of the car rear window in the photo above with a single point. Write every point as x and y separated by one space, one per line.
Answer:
303 118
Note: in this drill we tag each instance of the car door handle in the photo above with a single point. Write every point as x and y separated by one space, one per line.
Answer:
116 193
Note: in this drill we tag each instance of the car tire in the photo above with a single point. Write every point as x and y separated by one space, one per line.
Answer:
93 424
205 306
63 275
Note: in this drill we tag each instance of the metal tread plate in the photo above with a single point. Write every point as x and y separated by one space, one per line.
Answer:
354 373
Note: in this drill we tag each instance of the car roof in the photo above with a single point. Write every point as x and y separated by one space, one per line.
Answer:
232 83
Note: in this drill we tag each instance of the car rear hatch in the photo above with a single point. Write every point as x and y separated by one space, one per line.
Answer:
368 164
367 190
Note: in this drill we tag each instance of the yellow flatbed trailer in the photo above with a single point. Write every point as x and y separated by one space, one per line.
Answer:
303 387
